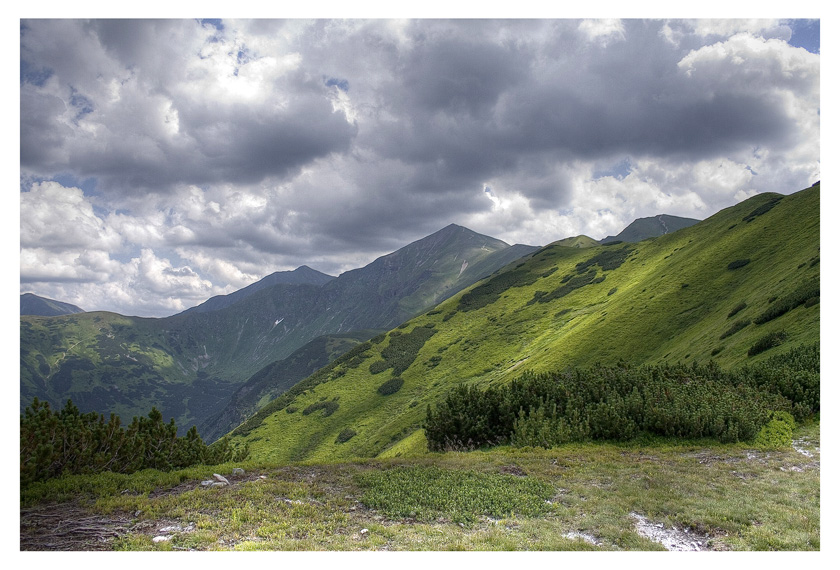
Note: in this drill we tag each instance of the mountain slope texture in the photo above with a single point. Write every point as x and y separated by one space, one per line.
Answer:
189 365
738 287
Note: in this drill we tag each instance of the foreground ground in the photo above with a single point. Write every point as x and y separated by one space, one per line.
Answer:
584 497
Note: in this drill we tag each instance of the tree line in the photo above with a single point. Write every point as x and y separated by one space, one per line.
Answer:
66 441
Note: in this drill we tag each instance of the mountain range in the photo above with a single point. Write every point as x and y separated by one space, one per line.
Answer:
189 365
267 346
738 287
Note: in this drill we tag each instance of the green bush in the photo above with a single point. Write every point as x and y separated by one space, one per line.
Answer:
329 408
763 209
804 293
54 443
777 433
622 402
738 263
767 342
391 386
345 435
737 309
736 326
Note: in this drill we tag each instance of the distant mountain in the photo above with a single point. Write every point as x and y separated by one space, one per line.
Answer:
189 365
31 304
644 228
577 241
303 275
725 290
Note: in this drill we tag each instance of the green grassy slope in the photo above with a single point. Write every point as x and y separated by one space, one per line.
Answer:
667 299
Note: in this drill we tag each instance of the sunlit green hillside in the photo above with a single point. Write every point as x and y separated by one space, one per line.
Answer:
694 294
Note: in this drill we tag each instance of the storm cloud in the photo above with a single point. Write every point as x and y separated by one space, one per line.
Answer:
171 160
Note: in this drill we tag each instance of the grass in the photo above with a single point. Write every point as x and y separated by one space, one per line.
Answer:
743 498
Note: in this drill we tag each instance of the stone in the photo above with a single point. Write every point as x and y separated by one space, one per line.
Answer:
161 538
220 479
238 471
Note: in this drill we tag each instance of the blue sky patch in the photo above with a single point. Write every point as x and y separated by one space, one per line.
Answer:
342 84
806 34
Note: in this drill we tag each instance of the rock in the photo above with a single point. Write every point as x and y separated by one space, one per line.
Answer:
220 479
363 532
238 471
161 538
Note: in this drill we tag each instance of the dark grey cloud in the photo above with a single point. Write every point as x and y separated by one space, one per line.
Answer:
257 145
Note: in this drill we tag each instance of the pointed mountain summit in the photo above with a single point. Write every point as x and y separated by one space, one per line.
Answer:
189 365
303 275
654 226
31 304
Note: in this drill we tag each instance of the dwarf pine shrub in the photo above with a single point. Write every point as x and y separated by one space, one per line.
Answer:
54 443
621 402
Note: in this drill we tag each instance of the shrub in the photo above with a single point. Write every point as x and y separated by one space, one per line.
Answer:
738 263
54 443
737 309
328 407
763 209
777 433
345 435
804 293
736 326
767 342
614 403
391 386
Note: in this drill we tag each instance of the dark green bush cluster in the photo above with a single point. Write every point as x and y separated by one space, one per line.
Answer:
329 408
736 326
608 259
489 292
794 374
53 443
803 294
738 263
573 283
622 402
737 309
763 209
402 350
767 342
345 435
391 386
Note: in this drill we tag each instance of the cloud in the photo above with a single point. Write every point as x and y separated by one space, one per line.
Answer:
219 152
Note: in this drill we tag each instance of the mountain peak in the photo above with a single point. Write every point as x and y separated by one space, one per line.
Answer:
653 226
31 304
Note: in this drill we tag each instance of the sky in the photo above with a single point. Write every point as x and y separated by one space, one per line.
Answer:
166 161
